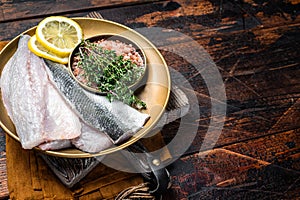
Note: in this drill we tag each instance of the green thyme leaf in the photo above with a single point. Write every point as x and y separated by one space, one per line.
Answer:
110 73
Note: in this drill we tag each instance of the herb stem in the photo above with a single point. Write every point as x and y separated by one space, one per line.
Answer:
110 73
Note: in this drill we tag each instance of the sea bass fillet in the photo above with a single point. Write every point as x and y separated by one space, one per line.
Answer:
117 120
92 140
37 110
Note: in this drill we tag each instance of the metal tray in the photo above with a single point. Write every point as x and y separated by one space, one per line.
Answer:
155 93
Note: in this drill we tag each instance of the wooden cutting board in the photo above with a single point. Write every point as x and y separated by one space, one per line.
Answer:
29 177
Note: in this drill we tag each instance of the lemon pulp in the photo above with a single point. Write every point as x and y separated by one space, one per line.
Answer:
59 35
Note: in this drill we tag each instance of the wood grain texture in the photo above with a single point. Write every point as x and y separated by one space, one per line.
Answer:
262 86
15 10
223 174
29 177
255 45
281 149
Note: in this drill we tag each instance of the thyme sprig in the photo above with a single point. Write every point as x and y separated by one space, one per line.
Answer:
110 73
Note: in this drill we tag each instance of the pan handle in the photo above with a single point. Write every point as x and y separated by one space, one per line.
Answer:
157 176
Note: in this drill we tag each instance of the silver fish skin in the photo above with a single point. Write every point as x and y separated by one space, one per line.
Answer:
132 118
91 112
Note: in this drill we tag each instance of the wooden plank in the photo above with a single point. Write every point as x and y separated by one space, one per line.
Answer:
15 10
29 177
210 168
16 171
223 174
32 174
50 185
261 84
93 195
197 19
103 178
280 149
3 44
204 18
11 29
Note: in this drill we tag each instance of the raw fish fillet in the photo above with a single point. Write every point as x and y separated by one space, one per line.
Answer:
92 140
56 144
61 122
133 119
113 119
37 110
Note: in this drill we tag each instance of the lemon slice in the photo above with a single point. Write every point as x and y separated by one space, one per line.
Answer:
59 34
39 50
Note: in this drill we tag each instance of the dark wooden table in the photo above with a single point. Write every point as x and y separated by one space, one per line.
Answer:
255 46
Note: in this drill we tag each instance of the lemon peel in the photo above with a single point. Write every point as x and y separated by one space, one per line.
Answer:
40 51
59 35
